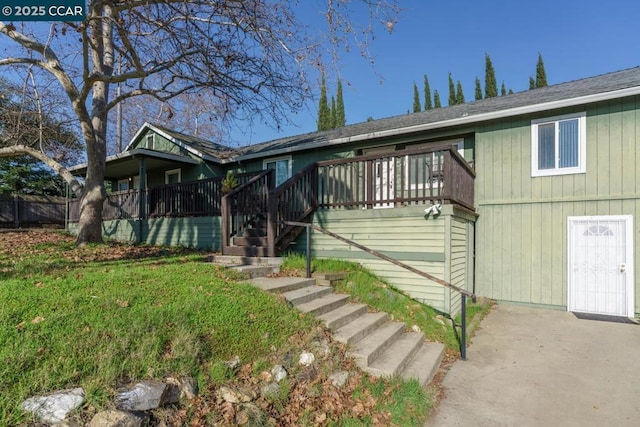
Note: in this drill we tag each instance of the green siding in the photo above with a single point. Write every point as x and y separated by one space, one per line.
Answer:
522 224
406 235
195 232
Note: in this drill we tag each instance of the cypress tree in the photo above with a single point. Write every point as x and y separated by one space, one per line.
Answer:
416 99
334 114
436 100
541 74
341 118
532 83
503 90
324 114
490 85
452 91
459 94
478 90
427 94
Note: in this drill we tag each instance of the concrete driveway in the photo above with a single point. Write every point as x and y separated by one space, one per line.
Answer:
537 367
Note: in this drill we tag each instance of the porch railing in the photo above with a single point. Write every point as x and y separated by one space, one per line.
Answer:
196 198
245 204
294 200
398 178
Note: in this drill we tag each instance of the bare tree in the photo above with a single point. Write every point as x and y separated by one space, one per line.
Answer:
251 56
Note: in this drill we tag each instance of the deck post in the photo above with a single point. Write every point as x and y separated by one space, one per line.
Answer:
308 227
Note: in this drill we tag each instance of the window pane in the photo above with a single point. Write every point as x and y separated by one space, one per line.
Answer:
282 171
546 146
568 144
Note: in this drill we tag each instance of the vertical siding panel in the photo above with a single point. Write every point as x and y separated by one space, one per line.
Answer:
538 259
506 278
591 181
506 162
604 155
629 169
556 248
615 148
526 250
522 164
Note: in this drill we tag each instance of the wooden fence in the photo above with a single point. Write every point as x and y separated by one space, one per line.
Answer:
21 211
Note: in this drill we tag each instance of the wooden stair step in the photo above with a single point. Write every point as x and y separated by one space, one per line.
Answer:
394 359
339 317
373 345
306 294
246 251
250 241
360 327
254 232
324 304
425 364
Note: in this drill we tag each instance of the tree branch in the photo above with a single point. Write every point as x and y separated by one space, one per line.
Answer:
22 150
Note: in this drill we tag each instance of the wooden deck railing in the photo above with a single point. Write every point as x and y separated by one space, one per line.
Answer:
294 200
398 178
246 203
185 199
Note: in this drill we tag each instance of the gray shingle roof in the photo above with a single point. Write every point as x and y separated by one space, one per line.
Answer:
471 112
575 89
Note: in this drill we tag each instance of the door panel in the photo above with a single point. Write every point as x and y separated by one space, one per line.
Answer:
600 261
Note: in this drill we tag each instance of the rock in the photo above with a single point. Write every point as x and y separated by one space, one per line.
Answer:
189 388
279 373
115 418
416 328
270 390
250 414
237 394
309 374
339 378
233 363
173 392
322 345
53 408
144 396
438 319
306 358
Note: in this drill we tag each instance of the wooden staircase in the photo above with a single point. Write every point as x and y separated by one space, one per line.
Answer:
380 346
252 242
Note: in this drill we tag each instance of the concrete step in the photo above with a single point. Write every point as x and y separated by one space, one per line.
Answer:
243 260
328 279
373 345
360 327
281 284
306 294
425 363
339 317
325 304
395 358
253 271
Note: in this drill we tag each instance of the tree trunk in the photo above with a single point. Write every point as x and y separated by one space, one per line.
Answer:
90 224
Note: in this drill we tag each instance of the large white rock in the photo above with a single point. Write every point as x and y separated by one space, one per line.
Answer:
54 408
144 396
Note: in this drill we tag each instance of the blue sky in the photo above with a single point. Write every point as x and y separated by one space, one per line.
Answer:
577 39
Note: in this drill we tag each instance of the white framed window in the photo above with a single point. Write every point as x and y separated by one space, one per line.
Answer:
282 166
558 145
172 176
151 141
123 185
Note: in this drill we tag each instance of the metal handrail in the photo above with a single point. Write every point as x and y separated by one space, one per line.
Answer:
463 292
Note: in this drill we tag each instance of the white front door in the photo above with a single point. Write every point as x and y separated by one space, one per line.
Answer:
600 265
384 190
